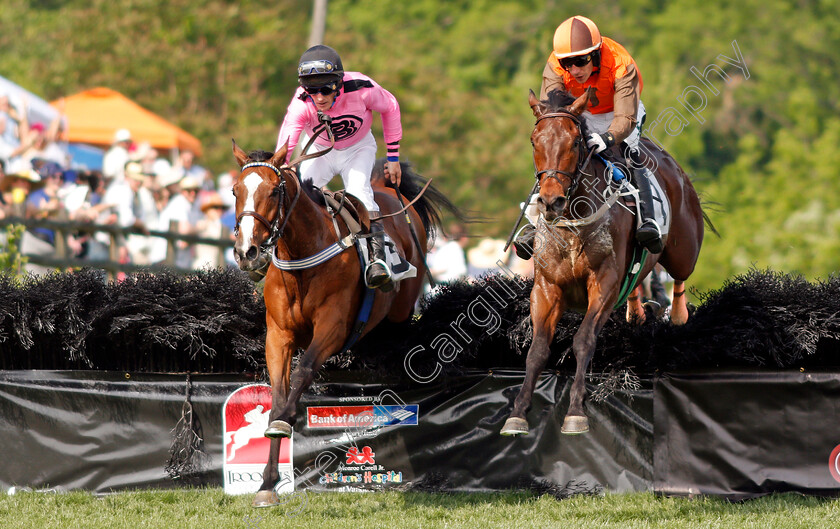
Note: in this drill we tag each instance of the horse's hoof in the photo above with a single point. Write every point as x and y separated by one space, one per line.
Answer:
654 309
278 429
515 426
575 425
265 498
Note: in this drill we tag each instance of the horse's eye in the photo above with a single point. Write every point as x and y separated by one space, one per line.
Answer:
275 192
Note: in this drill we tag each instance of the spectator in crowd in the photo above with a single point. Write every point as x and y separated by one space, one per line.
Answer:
448 262
40 144
150 159
83 203
46 201
113 163
20 180
4 207
485 257
210 227
188 168
9 130
224 183
179 213
124 197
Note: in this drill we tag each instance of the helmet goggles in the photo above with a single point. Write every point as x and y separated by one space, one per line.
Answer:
316 68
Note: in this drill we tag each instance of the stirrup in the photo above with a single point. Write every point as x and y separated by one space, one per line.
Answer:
377 275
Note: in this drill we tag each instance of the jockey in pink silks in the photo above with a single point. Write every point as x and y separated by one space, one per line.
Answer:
349 99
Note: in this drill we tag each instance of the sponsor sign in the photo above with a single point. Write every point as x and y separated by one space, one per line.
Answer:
834 463
370 416
244 421
359 469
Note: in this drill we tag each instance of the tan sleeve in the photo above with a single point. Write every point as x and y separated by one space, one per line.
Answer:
551 81
626 104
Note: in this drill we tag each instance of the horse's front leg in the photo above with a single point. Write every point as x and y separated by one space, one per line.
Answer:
603 293
635 308
547 307
327 339
279 347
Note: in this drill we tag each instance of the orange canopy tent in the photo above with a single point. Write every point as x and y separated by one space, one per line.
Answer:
93 116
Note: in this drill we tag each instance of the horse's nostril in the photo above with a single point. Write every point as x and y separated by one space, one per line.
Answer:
252 253
559 205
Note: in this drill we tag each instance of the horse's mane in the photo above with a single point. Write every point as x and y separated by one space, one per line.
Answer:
310 190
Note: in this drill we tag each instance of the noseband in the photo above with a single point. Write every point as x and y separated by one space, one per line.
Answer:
275 229
552 173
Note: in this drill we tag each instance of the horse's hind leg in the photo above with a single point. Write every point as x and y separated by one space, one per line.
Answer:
679 309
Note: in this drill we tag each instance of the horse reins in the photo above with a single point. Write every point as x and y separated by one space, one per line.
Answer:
275 230
552 173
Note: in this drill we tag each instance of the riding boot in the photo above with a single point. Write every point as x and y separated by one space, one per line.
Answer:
376 274
524 243
648 233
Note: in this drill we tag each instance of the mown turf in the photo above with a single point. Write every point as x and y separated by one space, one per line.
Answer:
211 508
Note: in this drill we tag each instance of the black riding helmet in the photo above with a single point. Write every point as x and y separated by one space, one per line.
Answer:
320 66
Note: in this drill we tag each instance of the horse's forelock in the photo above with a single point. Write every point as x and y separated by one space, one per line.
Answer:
558 100
260 156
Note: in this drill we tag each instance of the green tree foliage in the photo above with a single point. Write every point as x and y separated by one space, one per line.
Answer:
11 260
765 152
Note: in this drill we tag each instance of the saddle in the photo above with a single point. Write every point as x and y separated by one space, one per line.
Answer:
357 219
350 209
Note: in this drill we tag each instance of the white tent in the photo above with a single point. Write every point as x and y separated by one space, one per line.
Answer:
39 110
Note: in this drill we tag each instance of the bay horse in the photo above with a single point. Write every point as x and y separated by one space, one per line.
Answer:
316 308
582 267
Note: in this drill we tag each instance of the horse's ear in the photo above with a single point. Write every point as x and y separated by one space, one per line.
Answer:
279 157
579 105
239 154
535 103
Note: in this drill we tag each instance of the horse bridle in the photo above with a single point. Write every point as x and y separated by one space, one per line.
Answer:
275 229
552 173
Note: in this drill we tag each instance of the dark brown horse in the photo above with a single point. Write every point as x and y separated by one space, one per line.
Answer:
583 267
316 308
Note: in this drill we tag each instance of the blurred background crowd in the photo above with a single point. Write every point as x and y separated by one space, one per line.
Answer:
136 187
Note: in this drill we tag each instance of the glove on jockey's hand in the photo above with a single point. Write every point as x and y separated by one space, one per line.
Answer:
600 142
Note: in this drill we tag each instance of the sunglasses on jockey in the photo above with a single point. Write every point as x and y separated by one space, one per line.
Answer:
579 61
323 90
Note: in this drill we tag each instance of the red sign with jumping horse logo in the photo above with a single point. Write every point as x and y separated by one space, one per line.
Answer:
834 463
244 420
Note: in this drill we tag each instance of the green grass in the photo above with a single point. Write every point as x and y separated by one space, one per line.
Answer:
211 508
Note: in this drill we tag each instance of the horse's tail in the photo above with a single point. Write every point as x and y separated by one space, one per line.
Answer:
429 206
